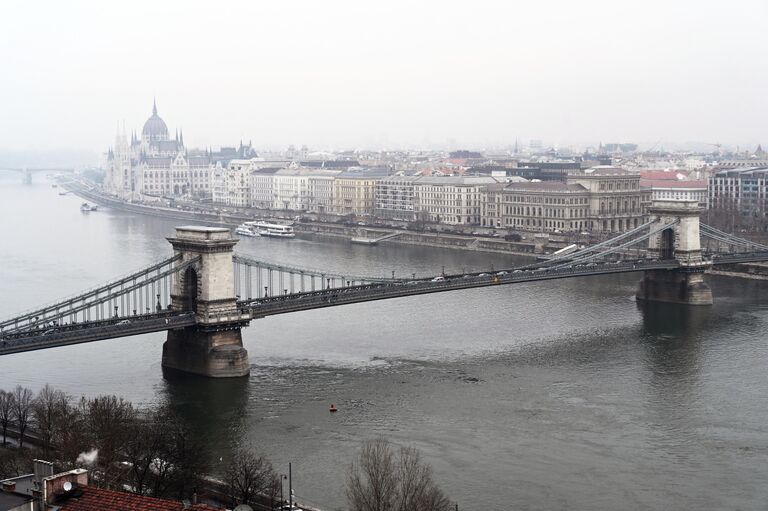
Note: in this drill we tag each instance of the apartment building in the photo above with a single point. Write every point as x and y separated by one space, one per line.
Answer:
451 200
354 191
231 185
744 189
394 198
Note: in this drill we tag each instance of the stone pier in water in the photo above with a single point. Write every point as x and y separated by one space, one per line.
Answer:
214 346
682 242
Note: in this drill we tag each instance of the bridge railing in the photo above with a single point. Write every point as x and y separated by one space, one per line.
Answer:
376 291
93 331
255 278
139 293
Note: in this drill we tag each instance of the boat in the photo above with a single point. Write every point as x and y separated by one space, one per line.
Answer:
85 207
333 409
272 230
246 230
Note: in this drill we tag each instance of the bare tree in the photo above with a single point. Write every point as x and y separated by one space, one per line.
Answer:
49 410
6 412
249 475
384 480
109 420
22 406
187 456
14 462
74 437
146 444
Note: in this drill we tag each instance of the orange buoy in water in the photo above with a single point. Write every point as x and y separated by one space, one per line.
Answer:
333 409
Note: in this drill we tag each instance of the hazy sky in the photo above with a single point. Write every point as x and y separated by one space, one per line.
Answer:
384 74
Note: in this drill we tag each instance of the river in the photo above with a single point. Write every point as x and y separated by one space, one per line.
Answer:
555 395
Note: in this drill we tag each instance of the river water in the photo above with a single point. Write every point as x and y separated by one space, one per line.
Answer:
556 395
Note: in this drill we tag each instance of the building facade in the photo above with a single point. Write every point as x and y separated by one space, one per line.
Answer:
156 165
537 206
678 190
395 198
600 200
450 200
741 189
354 191
617 203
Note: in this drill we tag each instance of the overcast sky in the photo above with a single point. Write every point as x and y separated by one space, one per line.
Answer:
392 73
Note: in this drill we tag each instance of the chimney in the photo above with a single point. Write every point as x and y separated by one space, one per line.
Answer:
9 485
55 484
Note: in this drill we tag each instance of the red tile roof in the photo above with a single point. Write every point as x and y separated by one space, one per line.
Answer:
99 499
664 183
662 174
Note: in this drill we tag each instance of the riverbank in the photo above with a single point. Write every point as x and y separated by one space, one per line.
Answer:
308 228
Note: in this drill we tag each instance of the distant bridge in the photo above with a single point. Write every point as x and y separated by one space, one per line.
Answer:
27 172
206 293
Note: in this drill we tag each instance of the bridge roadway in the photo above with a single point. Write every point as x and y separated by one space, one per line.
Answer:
383 290
62 335
76 333
295 302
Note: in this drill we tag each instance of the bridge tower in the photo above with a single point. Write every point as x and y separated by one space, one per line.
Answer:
681 242
213 346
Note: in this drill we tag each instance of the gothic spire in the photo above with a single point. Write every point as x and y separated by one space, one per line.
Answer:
181 136
154 106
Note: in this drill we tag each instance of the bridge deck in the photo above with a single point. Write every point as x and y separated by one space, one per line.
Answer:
93 331
63 335
380 291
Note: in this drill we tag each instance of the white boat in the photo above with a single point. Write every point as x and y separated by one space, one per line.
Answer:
272 230
246 230
85 207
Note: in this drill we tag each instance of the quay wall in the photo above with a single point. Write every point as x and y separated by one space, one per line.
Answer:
335 230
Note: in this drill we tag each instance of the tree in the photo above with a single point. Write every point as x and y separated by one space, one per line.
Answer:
148 453
48 411
74 438
6 412
22 405
249 475
14 462
384 480
109 420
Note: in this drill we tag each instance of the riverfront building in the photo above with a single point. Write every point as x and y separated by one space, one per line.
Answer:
450 199
354 191
600 200
744 189
154 164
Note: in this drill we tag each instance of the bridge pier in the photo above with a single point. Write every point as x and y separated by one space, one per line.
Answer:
675 286
214 346
681 241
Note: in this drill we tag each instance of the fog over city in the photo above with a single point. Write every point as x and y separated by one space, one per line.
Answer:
390 74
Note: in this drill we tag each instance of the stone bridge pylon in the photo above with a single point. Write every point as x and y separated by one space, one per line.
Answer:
213 346
681 242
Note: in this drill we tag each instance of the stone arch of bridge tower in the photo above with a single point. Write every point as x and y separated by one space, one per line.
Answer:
190 286
667 244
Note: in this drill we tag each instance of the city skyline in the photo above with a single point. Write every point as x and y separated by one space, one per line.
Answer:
427 75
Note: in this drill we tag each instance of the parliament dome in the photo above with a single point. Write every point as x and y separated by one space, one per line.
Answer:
155 128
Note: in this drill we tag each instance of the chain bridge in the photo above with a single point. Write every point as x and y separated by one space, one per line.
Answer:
206 293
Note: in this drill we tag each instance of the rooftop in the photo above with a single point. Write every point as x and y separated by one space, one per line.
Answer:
12 500
545 186
668 183
91 498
